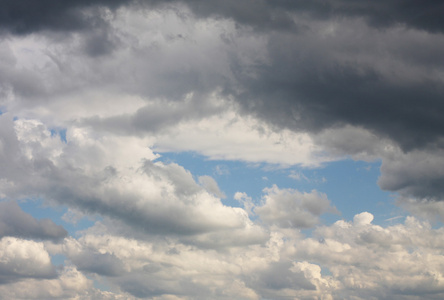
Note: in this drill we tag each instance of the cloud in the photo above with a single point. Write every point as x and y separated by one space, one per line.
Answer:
291 208
118 180
339 87
23 259
90 90
229 136
342 260
319 77
262 14
417 174
70 284
48 14
368 256
428 209
106 264
211 186
165 267
17 223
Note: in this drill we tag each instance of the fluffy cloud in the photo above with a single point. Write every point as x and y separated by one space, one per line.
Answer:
70 284
382 262
15 222
211 186
344 260
291 208
23 259
123 183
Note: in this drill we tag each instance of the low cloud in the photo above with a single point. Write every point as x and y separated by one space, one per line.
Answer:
15 222
288 208
24 259
211 186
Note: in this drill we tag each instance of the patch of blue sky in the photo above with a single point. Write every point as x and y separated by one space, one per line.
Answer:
58 259
350 185
61 132
101 283
39 210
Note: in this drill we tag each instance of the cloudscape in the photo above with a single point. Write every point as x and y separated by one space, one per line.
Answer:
203 149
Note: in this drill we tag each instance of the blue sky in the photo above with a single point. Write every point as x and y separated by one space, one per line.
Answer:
350 185
221 150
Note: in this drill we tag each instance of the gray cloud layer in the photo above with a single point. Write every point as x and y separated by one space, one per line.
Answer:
29 16
378 69
15 222
382 75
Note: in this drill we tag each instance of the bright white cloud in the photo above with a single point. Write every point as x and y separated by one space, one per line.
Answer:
363 260
23 259
233 137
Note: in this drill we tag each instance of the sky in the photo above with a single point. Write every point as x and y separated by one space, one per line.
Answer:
203 149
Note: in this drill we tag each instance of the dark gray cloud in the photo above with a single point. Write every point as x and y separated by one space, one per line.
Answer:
418 173
29 16
315 82
157 116
15 222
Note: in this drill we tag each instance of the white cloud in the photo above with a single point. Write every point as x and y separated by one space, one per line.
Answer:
71 284
233 137
211 186
291 208
23 259
119 179
388 262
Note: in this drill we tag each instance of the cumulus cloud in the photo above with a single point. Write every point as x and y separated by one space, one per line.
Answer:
387 254
24 259
343 260
70 284
291 208
117 180
211 186
15 222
